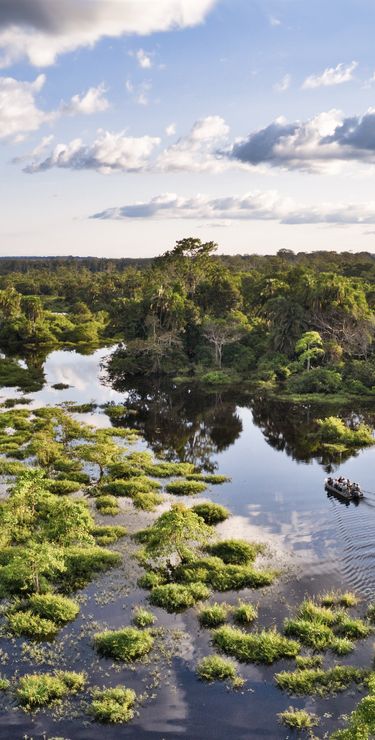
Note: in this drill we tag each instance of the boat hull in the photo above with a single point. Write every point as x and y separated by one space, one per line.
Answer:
347 495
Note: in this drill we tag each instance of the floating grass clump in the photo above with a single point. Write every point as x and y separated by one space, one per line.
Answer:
213 480
245 614
173 597
107 505
128 644
131 487
62 487
143 618
298 719
335 598
83 562
213 615
185 487
107 535
266 646
167 469
310 611
58 609
211 513
147 501
316 635
4 684
113 705
361 722
151 579
223 577
42 689
352 628
309 661
124 471
321 628
320 682
28 624
236 552
216 668
371 613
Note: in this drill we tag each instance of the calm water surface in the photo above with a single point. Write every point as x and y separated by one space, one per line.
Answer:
276 495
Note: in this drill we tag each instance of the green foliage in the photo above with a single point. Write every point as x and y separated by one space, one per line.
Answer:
317 380
173 597
213 615
211 513
213 480
332 429
131 487
62 486
361 722
298 719
43 689
107 505
265 646
58 609
320 682
82 563
147 501
127 644
309 661
143 618
335 598
185 487
28 624
245 614
236 552
223 577
320 628
216 668
173 532
109 534
4 684
151 579
113 705
168 469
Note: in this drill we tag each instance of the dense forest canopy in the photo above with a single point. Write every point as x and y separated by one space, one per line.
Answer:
303 322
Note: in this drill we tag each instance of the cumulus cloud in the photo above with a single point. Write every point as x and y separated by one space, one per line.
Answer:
170 130
253 206
92 101
110 152
323 143
283 84
19 112
199 150
40 30
144 60
331 76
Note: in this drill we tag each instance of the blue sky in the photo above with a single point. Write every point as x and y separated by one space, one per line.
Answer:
127 125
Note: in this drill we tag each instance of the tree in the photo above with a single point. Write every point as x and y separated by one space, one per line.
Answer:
102 452
174 532
309 347
36 560
220 332
32 307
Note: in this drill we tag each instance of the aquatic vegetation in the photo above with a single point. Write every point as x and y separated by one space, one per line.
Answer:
151 579
309 610
107 505
131 487
244 614
185 487
147 501
43 689
127 644
4 684
211 513
11 468
216 668
333 430
107 535
143 618
265 646
27 624
236 552
361 722
124 470
320 628
222 577
62 486
168 469
173 534
213 480
371 613
83 562
334 598
298 719
319 681
113 705
309 661
352 628
313 634
213 615
173 597
58 609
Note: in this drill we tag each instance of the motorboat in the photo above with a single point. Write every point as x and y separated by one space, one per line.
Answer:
344 488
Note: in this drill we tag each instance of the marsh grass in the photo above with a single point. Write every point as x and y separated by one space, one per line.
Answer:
215 668
213 615
320 682
113 705
223 577
151 579
347 599
58 609
143 618
174 597
39 690
169 469
212 480
107 535
28 624
131 487
309 661
322 628
127 644
83 562
298 719
361 722
265 646
4 684
185 487
211 513
236 552
245 614
147 501
107 505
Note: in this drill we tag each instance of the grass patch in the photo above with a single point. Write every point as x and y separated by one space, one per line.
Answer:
223 577
320 682
167 469
216 668
62 487
334 598
107 535
83 562
186 487
128 644
143 618
266 646
316 635
113 705
321 628
173 597
361 722
213 480
213 615
245 614
131 487
107 505
309 661
371 613
298 719
42 689
4 684
236 552
211 513
58 609
28 624
151 579
147 501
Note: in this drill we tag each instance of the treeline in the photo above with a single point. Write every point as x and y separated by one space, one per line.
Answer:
304 322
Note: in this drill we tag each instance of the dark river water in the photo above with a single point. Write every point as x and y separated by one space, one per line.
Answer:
276 495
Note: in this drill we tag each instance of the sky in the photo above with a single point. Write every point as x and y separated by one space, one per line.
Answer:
126 125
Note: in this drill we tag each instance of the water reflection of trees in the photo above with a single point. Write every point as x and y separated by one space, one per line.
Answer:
182 422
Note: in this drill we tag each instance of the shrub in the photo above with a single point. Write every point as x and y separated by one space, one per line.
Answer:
258 647
62 486
127 644
167 469
213 480
75 476
58 609
82 562
236 552
151 579
113 705
143 618
213 615
147 501
32 625
185 487
245 613
211 513
39 690
176 598
108 535
131 487
318 681
315 380
298 719
223 577
216 668
107 505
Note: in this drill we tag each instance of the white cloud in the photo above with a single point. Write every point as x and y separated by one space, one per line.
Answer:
171 129
283 84
253 206
19 113
144 60
40 30
275 22
93 101
140 93
331 76
110 152
197 152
